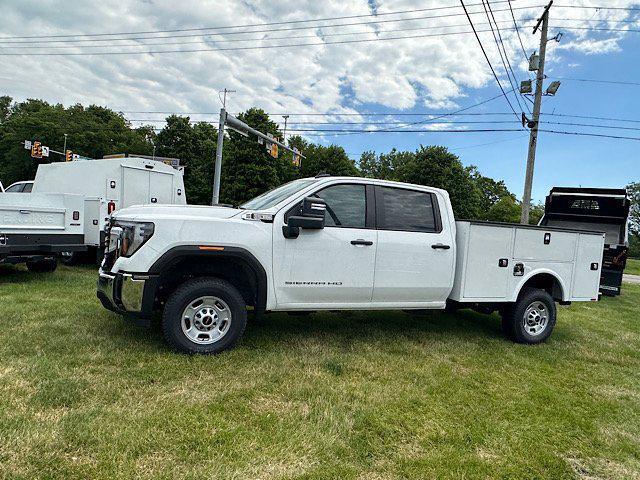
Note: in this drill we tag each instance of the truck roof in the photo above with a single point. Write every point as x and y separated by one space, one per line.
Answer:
391 183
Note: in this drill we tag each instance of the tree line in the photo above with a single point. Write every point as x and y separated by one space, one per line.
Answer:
248 169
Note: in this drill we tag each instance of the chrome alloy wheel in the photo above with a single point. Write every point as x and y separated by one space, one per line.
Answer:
536 318
206 320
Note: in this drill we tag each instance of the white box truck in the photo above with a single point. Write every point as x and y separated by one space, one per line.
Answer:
337 243
108 185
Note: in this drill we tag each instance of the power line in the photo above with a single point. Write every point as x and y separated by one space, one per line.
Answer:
598 29
598 8
258 39
499 43
257 47
486 57
269 30
346 123
226 27
593 80
515 24
442 116
584 134
609 119
470 130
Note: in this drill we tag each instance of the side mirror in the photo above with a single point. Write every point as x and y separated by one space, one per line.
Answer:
312 217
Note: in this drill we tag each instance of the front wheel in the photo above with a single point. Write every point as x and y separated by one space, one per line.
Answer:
531 318
204 315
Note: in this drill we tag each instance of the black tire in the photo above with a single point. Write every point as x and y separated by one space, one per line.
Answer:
514 323
189 292
42 266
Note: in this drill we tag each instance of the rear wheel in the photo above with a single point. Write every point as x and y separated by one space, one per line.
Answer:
531 318
42 266
204 315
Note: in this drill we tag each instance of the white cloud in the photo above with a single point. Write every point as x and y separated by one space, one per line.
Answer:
435 72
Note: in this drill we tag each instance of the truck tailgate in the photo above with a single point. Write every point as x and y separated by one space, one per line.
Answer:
32 222
40 212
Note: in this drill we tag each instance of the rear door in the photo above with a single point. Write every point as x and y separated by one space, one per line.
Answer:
415 253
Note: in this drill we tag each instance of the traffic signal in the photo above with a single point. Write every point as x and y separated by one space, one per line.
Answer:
68 155
296 157
36 150
273 151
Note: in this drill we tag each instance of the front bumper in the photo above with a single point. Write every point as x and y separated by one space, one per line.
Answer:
128 293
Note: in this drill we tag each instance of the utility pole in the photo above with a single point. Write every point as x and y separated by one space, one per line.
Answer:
533 137
284 130
65 144
215 198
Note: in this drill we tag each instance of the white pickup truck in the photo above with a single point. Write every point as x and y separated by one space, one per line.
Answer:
334 243
36 227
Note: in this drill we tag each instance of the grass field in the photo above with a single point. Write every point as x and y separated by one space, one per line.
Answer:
633 266
354 396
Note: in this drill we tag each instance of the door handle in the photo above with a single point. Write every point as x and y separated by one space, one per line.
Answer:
361 241
441 246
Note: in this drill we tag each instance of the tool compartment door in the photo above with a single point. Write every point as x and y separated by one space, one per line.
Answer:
488 261
537 244
160 188
135 186
586 277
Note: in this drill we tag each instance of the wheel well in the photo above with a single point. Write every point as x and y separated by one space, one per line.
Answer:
234 270
547 282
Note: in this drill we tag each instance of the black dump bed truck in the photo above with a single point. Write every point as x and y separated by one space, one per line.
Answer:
597 209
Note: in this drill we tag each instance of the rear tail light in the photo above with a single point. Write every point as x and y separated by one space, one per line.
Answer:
111 206
76 215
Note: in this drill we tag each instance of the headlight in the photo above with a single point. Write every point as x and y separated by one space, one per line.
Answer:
133 236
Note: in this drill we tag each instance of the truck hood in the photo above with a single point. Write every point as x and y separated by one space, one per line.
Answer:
154 211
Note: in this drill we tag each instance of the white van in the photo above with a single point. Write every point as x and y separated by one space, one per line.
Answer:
108 185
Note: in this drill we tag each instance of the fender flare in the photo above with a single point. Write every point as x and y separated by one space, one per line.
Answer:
563 288
176 254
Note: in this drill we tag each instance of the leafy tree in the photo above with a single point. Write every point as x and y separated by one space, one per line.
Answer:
330 159
633 190
535 213
195 146
505 209
492 191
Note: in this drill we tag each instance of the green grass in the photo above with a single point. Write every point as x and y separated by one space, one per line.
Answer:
633 266
355 396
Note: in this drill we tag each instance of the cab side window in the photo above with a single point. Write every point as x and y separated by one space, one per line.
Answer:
17 188
406 210
346 206
27 188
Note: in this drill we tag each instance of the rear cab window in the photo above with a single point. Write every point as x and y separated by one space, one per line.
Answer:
407 210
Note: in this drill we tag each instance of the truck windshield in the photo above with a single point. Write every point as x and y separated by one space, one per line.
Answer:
275 196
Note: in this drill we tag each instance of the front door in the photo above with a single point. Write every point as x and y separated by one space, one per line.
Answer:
332 267
415 255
